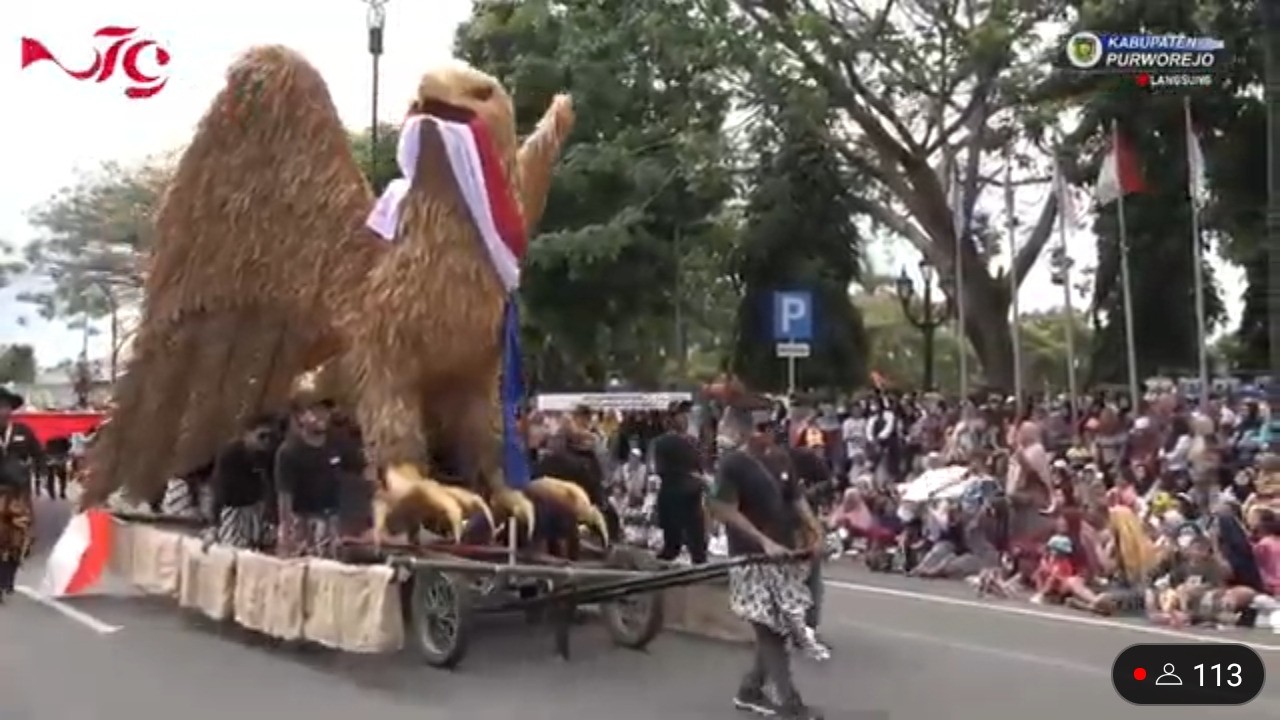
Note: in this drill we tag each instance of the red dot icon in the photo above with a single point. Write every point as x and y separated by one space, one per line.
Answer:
1139 674
1144 79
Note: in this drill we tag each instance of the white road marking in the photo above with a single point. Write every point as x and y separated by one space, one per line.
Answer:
80 616
1014 655
1008 609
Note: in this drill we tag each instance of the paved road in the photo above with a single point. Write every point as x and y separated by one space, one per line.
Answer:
904 650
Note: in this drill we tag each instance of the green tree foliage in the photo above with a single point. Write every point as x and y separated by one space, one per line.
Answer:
92 239
896 346
799 235
11 264
379 168
917 85
1159 220
17 364
636 199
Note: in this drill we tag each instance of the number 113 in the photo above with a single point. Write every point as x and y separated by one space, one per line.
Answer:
1233 674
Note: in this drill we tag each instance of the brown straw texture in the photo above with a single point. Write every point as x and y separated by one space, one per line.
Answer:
264 270
259 240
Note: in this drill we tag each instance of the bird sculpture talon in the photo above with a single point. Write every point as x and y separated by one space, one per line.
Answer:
381 512
407 487
571 497
470 503
515 506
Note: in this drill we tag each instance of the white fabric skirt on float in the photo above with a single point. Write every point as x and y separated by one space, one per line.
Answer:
207 581
269 594
355 608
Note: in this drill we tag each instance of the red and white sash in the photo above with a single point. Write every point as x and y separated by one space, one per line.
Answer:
473 159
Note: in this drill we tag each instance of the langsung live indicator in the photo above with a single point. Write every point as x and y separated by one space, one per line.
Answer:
1194 674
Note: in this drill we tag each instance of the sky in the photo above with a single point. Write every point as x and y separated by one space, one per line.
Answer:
58 127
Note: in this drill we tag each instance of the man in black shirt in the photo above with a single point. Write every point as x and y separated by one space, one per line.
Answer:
761 514
20 450
244 496
678 465
314 470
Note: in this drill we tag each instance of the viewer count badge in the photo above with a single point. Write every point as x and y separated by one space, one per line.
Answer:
1199 674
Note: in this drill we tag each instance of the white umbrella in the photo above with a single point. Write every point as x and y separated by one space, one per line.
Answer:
931 482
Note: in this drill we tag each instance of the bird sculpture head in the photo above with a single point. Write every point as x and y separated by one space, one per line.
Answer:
457 91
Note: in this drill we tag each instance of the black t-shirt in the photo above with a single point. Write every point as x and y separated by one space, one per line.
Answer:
19 450
743 481
313 475
242 477
58 448
811 467
676 462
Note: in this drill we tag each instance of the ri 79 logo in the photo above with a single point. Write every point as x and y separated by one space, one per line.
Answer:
115 48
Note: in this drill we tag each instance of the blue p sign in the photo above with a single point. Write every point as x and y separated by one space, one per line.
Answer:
793 316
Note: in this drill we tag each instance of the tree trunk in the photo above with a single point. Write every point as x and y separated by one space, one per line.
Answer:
987 330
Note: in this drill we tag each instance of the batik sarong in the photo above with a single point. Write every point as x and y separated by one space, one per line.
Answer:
242 527
773 595
313 536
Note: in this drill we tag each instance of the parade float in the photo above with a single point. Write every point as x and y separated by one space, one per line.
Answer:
273 262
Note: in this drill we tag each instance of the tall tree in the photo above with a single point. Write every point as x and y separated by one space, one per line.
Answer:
1158 221
93 238
919 84
638 194
799 235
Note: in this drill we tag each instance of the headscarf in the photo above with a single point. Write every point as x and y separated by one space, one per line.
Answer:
1135 551
854 511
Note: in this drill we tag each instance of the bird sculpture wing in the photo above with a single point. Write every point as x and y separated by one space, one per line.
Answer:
260 243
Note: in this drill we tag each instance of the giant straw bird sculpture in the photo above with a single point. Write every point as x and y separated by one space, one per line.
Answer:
272 260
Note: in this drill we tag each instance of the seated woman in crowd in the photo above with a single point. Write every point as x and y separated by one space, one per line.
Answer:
1266 551
1191 584
854 519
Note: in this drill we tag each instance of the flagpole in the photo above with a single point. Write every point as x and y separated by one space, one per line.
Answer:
1197 259
958 224
1012 229
1067 305
1130 345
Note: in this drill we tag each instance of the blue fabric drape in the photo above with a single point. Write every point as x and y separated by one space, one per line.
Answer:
515 460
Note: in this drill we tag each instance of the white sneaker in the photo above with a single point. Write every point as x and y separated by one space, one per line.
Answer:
813 647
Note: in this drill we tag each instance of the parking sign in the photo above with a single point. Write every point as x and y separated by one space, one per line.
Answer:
793 316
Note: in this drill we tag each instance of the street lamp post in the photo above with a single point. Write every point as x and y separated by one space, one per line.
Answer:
927 319
1271 43
377 22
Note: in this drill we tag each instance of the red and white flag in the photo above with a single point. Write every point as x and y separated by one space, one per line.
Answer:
1195 160
80 556
1120 173
473 159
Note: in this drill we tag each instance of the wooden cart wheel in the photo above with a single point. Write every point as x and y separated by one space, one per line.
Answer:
439 618
634 620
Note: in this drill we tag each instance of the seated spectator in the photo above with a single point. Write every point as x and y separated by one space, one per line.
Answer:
1191 585
1266 551
1123 493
